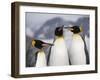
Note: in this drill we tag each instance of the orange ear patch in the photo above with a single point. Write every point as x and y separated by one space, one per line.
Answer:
33 43
81 28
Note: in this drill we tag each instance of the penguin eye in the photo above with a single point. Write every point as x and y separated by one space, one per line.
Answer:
33 43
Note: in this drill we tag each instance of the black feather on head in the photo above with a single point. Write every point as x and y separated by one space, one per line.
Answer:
75 29
40 44
59 31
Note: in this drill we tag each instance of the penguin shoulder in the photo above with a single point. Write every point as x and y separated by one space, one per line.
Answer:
59 38
76 36
41 52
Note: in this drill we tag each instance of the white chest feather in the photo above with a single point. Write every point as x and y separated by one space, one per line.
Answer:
77 41
59 55
41 59
77 52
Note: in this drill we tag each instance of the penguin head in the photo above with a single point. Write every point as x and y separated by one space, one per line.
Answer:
40 44
75 29
59 31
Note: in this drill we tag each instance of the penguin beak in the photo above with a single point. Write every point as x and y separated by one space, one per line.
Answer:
69 28
51 44
47 44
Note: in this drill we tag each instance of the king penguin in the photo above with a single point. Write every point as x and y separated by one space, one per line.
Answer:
58 55
40 57
78 51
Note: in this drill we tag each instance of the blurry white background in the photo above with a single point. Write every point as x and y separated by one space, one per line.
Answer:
5 40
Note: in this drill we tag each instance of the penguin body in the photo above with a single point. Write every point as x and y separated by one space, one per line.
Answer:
40 59
58 54
78 51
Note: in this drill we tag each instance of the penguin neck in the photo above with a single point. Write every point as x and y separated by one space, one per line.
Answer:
76 36
40 50
59 37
